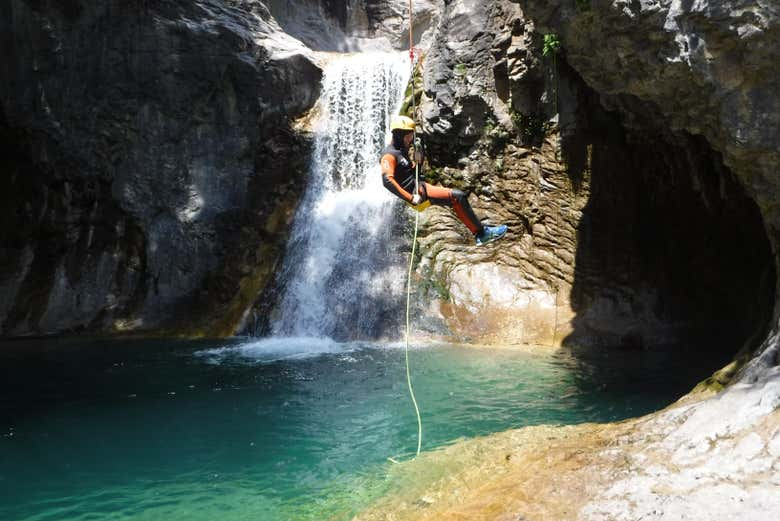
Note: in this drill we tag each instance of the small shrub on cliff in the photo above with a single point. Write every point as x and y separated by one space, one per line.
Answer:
552 45
532 127
550 49
495 134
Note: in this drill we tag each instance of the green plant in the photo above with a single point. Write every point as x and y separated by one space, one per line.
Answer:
551 48
460 69
490 124
552 45
532 127
495 135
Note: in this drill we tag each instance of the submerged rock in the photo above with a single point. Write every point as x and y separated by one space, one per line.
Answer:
677 464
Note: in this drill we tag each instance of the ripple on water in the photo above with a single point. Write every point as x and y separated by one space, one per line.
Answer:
285 429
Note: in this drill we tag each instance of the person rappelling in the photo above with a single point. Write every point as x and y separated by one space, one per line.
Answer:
398 176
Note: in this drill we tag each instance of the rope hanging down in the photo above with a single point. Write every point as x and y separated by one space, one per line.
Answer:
414 241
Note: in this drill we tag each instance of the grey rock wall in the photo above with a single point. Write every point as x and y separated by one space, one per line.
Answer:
708 68
150 164
625 229
356 25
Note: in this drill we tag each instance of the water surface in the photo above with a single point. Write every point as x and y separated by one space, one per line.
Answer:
289 429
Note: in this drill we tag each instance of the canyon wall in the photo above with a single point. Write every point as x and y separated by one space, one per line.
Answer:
150 162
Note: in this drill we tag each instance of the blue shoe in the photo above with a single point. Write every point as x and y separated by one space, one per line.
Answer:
490 233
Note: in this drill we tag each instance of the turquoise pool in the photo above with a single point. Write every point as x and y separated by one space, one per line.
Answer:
276 429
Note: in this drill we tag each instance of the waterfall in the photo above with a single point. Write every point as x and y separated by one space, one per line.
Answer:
344 269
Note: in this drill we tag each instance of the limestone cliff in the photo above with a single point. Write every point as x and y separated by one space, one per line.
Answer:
149 162
626 228
707 69
151 156
637 171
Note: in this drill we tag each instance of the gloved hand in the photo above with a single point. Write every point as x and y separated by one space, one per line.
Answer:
416 199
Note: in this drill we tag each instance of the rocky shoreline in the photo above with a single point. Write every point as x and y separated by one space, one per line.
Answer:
674 464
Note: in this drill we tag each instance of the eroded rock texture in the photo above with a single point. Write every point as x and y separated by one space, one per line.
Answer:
627 228
706 68
645 213
148 162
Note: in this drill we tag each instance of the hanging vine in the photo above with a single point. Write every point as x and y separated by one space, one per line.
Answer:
551 49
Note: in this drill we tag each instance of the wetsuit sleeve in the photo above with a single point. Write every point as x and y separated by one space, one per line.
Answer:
388 178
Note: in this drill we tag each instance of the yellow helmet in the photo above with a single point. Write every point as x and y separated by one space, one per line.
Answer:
402 123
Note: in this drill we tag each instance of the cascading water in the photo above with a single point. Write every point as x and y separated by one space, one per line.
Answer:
344 270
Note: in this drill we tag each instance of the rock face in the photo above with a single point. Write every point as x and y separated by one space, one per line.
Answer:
148 162
707 69
646 192
355 25
625 228
151 159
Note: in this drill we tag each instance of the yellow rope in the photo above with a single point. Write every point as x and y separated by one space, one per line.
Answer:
406 349
411 257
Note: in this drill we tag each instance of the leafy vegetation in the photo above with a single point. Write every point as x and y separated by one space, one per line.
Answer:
552 45
495 135
551 49
532 127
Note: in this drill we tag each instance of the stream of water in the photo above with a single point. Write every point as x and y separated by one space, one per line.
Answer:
344 270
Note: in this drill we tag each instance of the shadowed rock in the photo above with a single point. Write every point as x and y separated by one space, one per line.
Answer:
148 156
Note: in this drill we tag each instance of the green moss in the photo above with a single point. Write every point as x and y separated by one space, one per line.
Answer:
434 285
433 175
249 287
723 377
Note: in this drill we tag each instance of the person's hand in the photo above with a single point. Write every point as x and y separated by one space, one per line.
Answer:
418 157
416 199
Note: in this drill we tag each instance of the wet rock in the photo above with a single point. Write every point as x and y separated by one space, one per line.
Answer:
594 188
708 68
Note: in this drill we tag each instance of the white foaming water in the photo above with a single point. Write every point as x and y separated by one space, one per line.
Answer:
343 274
274 349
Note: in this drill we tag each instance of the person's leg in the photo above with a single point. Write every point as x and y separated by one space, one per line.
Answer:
456 200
